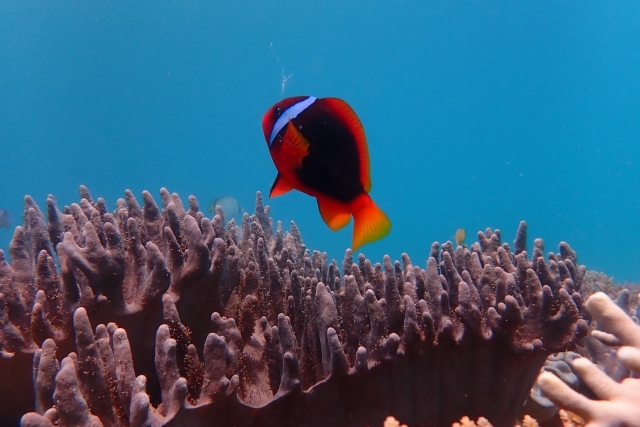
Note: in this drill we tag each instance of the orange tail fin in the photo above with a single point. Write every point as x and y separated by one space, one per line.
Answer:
370 223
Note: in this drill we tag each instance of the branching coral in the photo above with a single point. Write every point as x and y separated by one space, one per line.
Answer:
625 294
292 339
618 404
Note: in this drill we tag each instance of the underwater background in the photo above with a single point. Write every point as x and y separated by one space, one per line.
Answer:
477 114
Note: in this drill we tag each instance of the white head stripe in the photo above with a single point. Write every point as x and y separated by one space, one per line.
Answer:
289 114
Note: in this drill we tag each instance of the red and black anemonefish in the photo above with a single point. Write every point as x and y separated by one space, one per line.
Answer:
319 147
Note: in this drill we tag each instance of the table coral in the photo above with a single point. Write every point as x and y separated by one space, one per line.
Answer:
618 401
169 318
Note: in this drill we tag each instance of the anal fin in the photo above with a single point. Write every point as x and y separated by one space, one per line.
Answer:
335 214
280 186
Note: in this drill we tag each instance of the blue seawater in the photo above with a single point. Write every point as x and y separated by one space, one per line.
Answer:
478 114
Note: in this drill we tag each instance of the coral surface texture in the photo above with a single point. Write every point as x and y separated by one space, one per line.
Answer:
157 315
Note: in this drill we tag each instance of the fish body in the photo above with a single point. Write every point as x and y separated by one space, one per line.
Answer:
461 234
230 207
318 146
5 218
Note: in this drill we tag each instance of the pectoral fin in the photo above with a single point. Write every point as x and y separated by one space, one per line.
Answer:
295 146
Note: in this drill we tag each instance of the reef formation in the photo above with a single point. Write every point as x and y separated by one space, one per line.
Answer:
169 318
600 347
616 391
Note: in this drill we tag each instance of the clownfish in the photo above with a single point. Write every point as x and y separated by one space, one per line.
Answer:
319 147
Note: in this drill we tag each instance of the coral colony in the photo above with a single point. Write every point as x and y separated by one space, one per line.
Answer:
153 316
